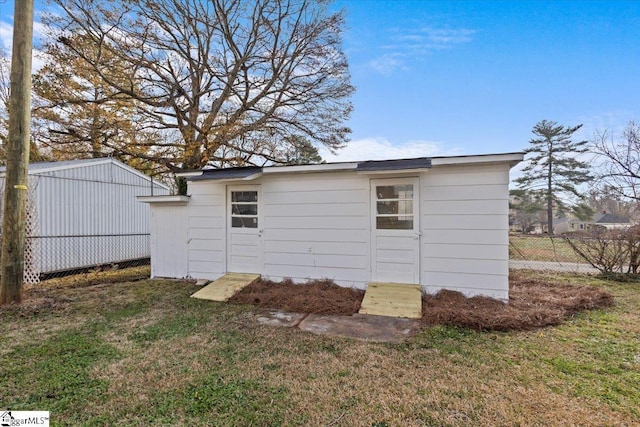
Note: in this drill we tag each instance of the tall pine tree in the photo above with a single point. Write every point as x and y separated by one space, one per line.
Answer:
553 169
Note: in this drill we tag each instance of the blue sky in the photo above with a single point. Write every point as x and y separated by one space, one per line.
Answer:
471 77
467 77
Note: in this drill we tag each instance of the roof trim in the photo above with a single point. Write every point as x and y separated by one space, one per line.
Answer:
419 164
323 167
246 173
165 200
512 158
190 173
38 168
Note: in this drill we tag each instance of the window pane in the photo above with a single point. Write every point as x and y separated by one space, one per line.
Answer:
405 207
244 222
394 223
401 207
244 209
387 208
395 191
244 196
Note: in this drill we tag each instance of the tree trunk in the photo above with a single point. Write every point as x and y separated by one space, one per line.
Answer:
549 201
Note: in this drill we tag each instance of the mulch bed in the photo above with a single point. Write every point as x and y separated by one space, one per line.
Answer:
534 303
316 296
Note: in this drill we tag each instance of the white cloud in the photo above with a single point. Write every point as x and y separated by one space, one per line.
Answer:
6 42
441 38
382 149
405 45
613 123
6 36
387 64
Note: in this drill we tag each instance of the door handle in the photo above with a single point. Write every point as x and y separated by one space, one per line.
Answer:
417 235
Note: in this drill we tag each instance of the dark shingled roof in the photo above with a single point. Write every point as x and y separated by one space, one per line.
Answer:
367 166
609 218
227 173
384 165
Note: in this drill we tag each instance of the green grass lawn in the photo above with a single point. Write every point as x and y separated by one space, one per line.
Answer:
538 248
144 353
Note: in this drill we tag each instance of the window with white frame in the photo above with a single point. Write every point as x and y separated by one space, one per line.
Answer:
394 207
244 209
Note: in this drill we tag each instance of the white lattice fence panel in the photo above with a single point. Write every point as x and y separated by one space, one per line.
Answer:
31 253
31 246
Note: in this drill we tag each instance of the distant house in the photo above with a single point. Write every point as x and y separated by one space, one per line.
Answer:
602 219
440 222
561 224
83 213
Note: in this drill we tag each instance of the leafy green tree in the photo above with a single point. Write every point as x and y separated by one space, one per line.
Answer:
553 169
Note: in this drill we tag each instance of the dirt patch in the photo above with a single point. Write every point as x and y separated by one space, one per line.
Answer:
33 304
56 294
316 296
534 303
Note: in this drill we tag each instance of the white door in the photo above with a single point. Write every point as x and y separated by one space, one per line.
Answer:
169 241
244 248
395 231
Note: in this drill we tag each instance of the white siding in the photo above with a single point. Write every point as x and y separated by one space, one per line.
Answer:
465 229
206 236
317 226
169 225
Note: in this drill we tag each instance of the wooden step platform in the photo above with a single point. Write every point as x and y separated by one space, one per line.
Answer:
393 300
225 287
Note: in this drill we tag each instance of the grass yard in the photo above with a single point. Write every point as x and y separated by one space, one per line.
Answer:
541 248
144 353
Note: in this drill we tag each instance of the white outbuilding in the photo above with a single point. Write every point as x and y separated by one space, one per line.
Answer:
83 213
441 222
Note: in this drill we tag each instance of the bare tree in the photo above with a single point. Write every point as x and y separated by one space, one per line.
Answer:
220 81
609 251
621 166
607 198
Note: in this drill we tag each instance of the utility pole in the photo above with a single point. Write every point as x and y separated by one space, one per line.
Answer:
15 188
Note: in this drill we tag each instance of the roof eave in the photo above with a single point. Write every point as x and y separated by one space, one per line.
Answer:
511 158
324 167
228 179
392 171
164 200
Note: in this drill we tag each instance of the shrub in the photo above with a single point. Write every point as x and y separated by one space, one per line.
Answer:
609 251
